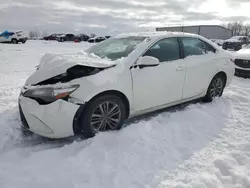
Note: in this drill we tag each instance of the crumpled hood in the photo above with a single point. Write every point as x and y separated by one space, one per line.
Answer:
55 64
243 54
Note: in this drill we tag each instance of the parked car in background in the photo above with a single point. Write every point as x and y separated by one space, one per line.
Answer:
13 37
66 37
83 37
96 39
219 42
235 42
52 37
242 62
92 40
122 77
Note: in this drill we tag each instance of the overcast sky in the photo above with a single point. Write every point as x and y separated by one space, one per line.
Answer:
112 16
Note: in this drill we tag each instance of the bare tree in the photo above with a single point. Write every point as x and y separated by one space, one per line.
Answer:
44 33
238 28
34 34
246 30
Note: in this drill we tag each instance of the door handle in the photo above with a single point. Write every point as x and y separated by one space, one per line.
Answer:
180 68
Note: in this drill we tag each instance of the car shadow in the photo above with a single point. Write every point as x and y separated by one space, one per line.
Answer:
151 115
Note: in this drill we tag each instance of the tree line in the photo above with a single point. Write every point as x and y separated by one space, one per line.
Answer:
238 28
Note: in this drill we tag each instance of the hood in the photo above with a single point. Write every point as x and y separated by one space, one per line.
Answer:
243 54
52 65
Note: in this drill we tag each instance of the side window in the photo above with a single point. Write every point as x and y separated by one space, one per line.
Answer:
195 46
165 50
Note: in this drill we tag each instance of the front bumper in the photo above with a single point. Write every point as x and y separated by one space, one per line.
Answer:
54 120
242 73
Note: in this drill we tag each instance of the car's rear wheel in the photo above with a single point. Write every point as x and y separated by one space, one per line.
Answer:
215 88
103 113
14 41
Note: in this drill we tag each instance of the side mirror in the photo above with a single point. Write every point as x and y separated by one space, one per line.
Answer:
147 61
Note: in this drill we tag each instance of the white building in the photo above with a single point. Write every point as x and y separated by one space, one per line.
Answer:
208 31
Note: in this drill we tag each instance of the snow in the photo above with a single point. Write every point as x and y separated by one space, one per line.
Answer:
74 58
243 54
190 146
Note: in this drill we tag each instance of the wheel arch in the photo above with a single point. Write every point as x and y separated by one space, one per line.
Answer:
223 74
14 39
117 93
76 122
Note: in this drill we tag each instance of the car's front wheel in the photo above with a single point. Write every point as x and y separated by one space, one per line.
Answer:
104 113
215 88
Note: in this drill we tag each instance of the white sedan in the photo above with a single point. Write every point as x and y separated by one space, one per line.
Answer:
122 77
13 37
242 62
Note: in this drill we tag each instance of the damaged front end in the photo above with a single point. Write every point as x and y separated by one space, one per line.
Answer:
77 71
54 77
59 86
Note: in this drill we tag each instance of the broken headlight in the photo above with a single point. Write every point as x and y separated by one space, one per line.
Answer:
46 95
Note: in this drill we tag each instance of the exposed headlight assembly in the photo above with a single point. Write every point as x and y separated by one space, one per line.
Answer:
46 95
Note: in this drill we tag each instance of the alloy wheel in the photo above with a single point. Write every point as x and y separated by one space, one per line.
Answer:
216 87
106 116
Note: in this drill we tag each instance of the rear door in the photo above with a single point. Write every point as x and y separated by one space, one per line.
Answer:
200 59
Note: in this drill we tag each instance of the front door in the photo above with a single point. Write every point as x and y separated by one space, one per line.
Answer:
162 84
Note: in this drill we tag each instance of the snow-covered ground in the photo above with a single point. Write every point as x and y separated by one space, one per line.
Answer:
192 146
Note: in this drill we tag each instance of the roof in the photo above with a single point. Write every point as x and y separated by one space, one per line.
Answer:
195 26
156 34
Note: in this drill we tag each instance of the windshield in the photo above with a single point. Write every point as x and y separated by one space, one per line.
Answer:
115 48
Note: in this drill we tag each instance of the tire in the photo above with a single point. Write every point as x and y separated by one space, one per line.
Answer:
24 41
216 88
14 41
93 120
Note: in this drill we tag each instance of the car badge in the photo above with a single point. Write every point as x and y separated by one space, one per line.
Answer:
245 61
